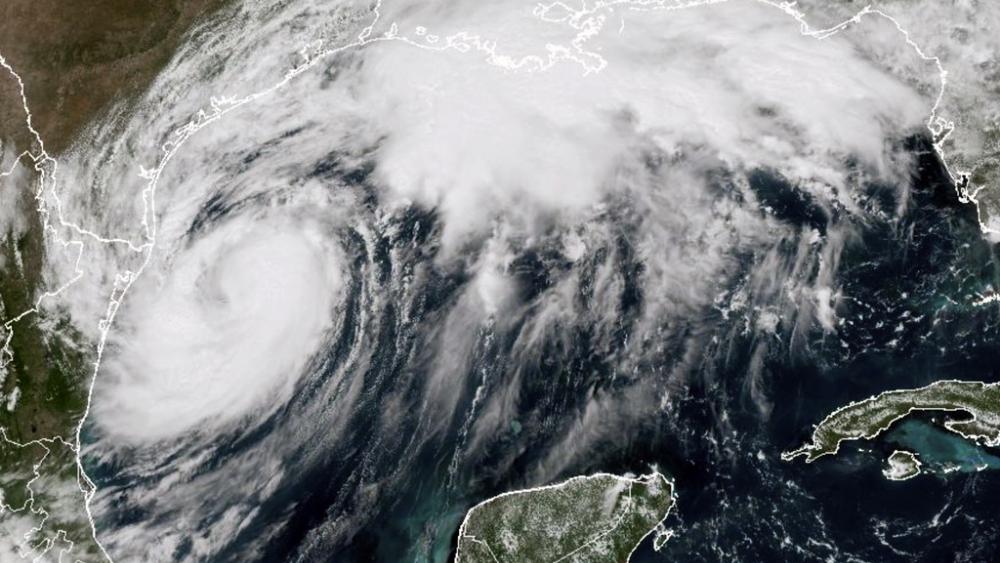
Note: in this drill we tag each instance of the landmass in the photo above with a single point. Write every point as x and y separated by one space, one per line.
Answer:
960 38
44 369
903 465
62 66
978 403
596 518
77 59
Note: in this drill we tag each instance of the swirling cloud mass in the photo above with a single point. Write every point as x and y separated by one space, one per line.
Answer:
384 260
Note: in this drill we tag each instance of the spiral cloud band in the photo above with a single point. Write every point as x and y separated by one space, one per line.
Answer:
381 249
226 330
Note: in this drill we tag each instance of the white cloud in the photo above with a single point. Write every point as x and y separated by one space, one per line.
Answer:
738 78
221 330
223 321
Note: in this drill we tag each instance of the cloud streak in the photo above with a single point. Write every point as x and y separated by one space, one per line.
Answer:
430 218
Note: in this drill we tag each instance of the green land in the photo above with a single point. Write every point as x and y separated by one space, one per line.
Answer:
45 369
597 518
977 405
74 62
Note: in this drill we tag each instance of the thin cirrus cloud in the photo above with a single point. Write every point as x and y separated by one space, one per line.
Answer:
733 84
507 147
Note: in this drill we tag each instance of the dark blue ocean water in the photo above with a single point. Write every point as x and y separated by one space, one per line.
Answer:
588 398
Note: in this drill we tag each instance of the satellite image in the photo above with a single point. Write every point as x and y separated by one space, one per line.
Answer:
460 281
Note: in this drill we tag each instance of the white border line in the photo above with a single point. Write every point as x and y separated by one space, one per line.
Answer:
588 21
642 479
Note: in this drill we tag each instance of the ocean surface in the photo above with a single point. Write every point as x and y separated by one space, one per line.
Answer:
386 469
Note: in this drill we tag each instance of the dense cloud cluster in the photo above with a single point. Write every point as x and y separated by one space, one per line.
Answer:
628 156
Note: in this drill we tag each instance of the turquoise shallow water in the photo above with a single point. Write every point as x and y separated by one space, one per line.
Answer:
382 450
939 448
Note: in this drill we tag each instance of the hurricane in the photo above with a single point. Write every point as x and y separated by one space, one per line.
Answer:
372 263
